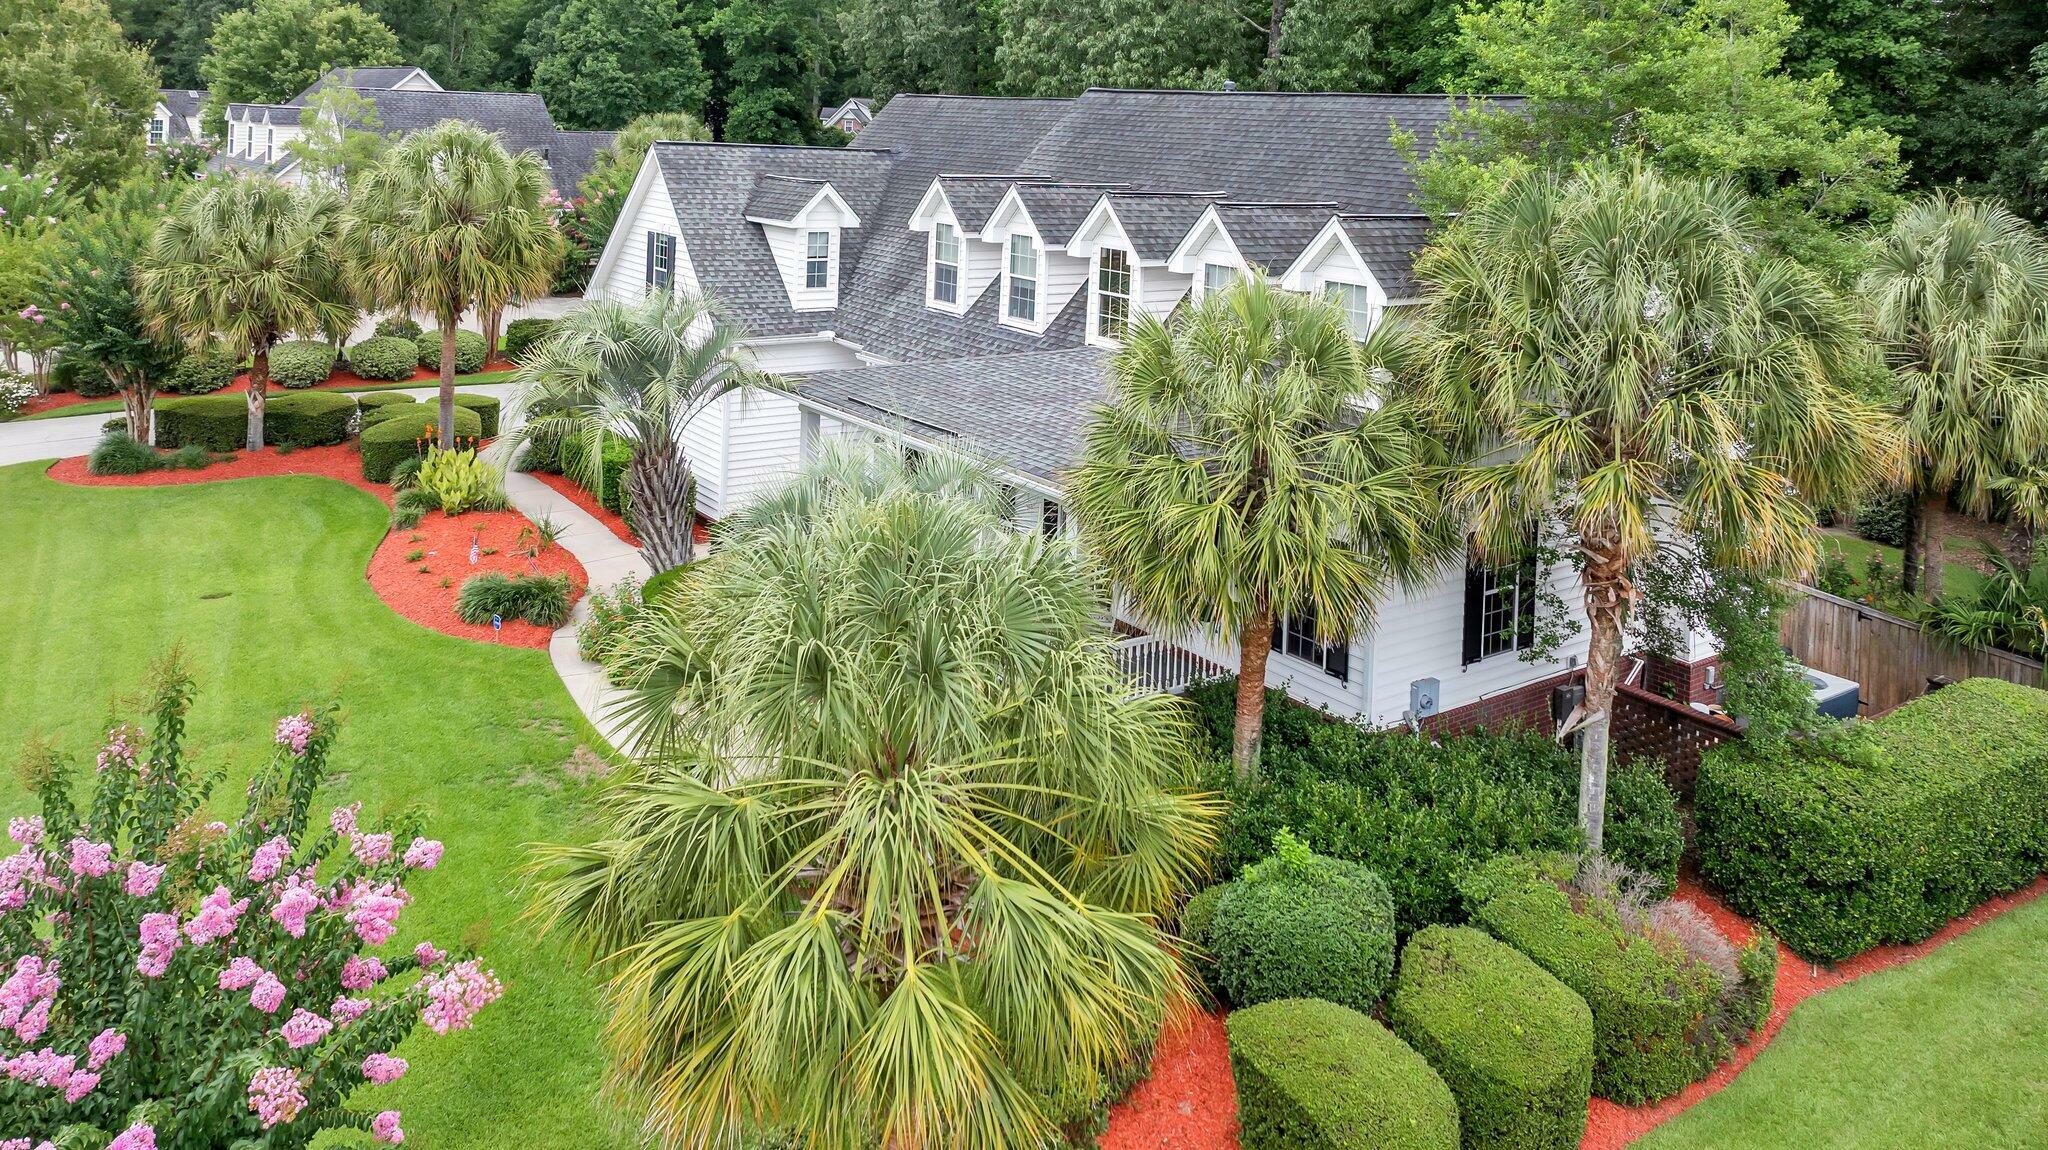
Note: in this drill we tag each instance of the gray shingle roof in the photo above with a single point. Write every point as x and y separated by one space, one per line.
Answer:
278 113
1155 223
1025 412
376 77
571 155
182 101
1388 245
780 197
974 198
1272 236
1059 209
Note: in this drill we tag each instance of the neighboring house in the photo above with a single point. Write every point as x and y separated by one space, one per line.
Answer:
849 117
959 277
408 100
175 119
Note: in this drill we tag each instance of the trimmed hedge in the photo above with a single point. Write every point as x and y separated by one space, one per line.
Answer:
384 357
470 351
486 408
301 363
1313 1075
1886 831
522 334
1514 1045
386 442
383 398
214 422
309 419
202 373
1303 926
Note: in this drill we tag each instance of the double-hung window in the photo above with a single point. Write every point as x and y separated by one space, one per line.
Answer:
1217 278
1112 293
269 143
159 129
1052 519
946 263
1500 608
1023 283
818 259
1356 304
661 261
1294 635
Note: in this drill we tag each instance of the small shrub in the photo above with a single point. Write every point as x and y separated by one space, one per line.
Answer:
1884 520
410 507
370 399
1197 918
1314 1075
384 357
214 422
301 363
193 457
612 613
16 392
399 326
1300 925
117 454
523 334
486 408
403 437
415 555
406 474
312 419
80 375
202 373
542 600
1514 1045
459 480
470 351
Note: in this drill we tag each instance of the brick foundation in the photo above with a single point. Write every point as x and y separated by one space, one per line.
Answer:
1684 682
1524 706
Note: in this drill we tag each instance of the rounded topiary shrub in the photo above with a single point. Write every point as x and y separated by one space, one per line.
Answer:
384 357
383 398
214 422
399 326
1514 1044
486 408
469 351
202 373
386 442
1314 1075
301 363
1300 925
523 334
315 419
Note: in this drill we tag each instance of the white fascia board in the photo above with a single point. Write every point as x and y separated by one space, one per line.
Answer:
1086 240
623 228
932 208
1184 258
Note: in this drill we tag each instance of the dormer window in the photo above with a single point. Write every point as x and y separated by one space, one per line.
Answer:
1022 284
159 129
1112 293
1217 278
1356 303
945 263
818 259
661 261
269 142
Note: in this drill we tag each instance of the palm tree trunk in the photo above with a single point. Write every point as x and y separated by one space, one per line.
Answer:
1607 600
1254 644
259 382
1909 551
1930 545
658 483
493 324
447 384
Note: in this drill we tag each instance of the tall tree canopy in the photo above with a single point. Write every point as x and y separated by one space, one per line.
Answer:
1989 129
1329 46
600 63
1059 47
75 95
768 55
919 45
273 51
95 313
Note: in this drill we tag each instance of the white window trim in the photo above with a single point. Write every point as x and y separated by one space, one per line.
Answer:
831 264
958 304
1095 339
1202 276
1039 319
159 130
1372 314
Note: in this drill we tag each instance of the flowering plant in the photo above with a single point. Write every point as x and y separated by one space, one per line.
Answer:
175 983
15 392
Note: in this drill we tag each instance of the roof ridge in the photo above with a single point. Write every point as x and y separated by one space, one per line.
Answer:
823 148
1240 92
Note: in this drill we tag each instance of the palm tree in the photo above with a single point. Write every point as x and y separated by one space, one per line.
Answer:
893 871
450 221
1958 291
636 374
1611 350
247 261
1249 466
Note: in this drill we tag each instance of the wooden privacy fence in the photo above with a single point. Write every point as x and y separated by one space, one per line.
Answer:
1892 658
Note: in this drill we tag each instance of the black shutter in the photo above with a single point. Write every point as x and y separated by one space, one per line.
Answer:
652 239
1280 633
1525 601
1475 609
1337 661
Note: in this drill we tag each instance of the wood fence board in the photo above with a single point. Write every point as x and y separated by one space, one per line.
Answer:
1890 658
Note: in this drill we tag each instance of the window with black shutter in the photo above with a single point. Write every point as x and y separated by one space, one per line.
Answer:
1500 608
1294 635
661 260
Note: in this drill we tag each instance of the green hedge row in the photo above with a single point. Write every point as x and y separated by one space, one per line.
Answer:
1313 1075
1299 925
309 419
1514 1045
214 422
486 408
470 351
1888 830
386 442
370 399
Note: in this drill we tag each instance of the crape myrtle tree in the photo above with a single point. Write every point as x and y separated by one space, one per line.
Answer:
173 982
1612 349
890 875
1250 465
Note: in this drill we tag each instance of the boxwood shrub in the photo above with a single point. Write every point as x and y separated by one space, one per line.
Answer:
384 357
469 351
486 408
203 372
399 326
301 363
1886 831
1514 1044
389 440
1197 916
1313 1075
369 399
1300 925
214 422
309 419
522 334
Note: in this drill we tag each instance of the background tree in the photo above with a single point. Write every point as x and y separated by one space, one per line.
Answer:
919 45
344 138
1640 370
269 53
76 95
449 222
587 224
96 314
32 207
1886 57
1958 292
1060 47
635 375
926 977
600 63
247 261
1327 46
1985 132
1248 468
769 55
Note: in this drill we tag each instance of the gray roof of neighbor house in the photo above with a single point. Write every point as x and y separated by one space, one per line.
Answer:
974 198
182 101
571 155
519 119
1272 236
384 78
269 113
863 109
1024 412
1387 244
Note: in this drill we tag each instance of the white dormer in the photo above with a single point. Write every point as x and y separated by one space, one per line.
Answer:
159 126
958 265
1332 267
1039 278
1209 256
807 240
1122 284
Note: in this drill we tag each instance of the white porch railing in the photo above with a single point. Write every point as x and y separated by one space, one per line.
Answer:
1158 666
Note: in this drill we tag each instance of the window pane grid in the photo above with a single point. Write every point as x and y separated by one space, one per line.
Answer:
1295 635
1357 308
1023 279
818 259
946 264
1113 294
1499 606
1217 277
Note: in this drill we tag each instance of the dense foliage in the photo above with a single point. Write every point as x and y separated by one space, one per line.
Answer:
470 351
214 422
1300 925
76 94
1884 834
301 363
1313 1075
272 50
542 600
310 419
600 63
406 435
523 334
202 372
388 357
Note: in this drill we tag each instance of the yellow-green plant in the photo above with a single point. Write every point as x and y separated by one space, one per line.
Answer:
459 480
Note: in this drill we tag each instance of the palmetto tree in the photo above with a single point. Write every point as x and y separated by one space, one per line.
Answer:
636 374
1958 291
890 874
447 222
248 262
1611 350
1248 466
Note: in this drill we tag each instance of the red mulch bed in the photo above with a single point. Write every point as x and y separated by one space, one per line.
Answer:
574 492
412 593
59 399
1190 1102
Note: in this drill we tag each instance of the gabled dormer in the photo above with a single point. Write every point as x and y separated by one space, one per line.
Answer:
1363 263
1233 240
959 264
804 221
1127 239
1039 278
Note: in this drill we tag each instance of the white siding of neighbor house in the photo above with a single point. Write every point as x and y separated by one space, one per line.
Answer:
1060 280
1161 290
626 281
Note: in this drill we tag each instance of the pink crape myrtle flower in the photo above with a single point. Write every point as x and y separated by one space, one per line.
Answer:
26 997
269 859
81 1084
384 1128
362 972
346 1010
423 854
384 1069
456 995
91 859
276 1094
159 941
143 879
240 973
428 954
374 913
141 1136
294 903
26 831
304 1029
20 873
371 850
295 731
343 820
218 914
119 750
105 1045
267 994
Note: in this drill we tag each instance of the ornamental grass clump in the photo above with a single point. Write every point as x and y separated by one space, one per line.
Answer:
177 983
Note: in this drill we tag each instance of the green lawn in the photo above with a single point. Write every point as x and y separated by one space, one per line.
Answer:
1949 1050
108 406
101 580
1959 578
